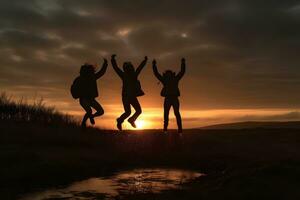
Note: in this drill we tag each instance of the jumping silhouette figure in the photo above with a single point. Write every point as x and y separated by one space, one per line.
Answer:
170 91
85 88
130 91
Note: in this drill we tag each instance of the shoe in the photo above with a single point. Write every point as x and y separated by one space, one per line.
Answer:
180 133
83 125
119 125
132 123
92 120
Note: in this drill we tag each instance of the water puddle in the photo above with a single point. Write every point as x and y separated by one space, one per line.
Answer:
126 182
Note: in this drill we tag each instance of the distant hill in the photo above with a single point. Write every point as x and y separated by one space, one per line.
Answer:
255 124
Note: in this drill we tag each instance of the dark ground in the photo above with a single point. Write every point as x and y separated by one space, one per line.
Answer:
240 164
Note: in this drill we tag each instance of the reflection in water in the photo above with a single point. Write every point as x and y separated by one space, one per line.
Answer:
126 182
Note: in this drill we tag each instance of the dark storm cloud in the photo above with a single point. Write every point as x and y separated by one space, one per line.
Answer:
241 54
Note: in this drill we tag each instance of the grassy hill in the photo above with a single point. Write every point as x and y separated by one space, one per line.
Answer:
40 152
35 113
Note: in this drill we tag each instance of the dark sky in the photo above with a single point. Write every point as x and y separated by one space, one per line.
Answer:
241 55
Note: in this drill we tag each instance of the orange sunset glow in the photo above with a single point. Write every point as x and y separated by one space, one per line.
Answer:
230 75
149 99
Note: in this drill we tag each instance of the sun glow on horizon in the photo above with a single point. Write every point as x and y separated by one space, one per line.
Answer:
140 124
152 118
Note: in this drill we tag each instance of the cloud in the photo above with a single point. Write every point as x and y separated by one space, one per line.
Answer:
240 54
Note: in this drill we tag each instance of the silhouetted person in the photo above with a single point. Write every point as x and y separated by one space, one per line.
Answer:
86 86
130 91
170 91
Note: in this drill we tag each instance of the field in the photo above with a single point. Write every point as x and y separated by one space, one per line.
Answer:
240 164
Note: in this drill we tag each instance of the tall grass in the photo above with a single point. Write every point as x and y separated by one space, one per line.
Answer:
37 112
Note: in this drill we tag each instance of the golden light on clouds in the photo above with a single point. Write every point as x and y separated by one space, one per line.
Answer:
42 52
184 35
124 32
152 117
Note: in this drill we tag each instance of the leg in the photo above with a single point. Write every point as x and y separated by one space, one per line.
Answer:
138 110
126 105
85 104
97 107
167 106
176 106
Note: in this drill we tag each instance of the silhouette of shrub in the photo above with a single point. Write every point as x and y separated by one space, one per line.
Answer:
37 112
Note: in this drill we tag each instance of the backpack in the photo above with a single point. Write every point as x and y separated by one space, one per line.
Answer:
76 88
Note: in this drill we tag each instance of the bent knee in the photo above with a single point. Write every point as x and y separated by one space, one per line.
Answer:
139 111
101 112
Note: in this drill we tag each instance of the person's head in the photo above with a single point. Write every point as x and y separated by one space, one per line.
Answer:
87 69
128 68
169 74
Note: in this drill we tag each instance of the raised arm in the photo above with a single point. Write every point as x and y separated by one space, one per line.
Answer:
182 71
155 71
141 66
115 66
102 71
